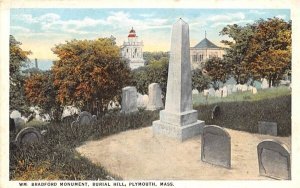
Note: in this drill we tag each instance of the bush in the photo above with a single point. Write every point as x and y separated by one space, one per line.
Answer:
244 115
56 158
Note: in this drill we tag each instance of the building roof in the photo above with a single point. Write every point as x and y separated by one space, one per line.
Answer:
132 33
205 43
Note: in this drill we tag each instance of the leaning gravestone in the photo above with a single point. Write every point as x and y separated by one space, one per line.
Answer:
274 159
178 119
216 146
129 100
155 101
28 135
269 128
19 122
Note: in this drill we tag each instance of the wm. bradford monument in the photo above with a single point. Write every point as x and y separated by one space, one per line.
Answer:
178 119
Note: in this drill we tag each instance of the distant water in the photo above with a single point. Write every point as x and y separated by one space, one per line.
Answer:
43 64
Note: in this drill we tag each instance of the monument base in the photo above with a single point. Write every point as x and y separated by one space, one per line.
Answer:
176 131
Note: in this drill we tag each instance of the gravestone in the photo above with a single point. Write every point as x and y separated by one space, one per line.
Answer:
216 146
218 93
129 100
178 119
229 89
225 91
205 92
19 122
15 114
28 135
155 101
234 89
244 87
195 91
142 100
274 159
265 127
264 83
211 92
216 111
254 90
84 118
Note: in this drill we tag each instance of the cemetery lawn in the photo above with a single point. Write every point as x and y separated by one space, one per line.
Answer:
242 111
57 159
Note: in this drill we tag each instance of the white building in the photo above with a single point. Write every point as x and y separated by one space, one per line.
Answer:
204 50
133 50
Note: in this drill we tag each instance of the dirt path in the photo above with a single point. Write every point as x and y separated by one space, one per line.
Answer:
138 154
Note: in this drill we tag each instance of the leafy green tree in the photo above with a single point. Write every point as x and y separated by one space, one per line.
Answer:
155 72
154 56
89 73
200 81
18 58
40 92
269 52
218 71
236 53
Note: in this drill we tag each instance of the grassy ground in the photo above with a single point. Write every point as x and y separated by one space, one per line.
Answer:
55 158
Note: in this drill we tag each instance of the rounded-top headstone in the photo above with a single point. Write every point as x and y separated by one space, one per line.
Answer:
28 135
84 118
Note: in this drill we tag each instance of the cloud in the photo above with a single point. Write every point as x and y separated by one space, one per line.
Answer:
19 29
259 12
281 16
147 15
227 17
231 23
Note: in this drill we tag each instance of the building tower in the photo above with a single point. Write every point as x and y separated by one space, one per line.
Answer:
133 50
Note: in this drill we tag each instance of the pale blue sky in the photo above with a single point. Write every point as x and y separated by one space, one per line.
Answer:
40 29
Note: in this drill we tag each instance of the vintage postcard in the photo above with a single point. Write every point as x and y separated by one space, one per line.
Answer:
149 94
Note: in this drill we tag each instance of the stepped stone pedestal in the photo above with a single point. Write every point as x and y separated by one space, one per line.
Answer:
178 119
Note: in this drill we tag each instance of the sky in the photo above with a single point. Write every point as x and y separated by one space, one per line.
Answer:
40 29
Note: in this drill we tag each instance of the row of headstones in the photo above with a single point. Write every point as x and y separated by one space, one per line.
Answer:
130 98
228 90
273 156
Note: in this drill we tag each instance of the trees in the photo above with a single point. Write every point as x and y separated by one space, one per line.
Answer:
218 70
259 50
235 57
40 91
199 80
89 73
269 53
18 58
155 72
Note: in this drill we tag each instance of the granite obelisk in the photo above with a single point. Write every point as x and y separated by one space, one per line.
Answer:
178 119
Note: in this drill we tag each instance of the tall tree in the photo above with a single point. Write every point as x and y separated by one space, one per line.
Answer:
89 73
269 52
200 81
236 52
217 69
18 58
40 92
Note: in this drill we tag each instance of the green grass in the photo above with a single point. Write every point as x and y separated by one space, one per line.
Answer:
242 111
200 99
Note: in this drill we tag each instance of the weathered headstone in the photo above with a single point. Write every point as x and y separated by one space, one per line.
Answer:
254 90
234 89
211 92
155 101
264 83
178 119
265 127
274 159
216 146
218 93
28 135
216 111
195 91
142 100
84 118
15 114
224 91
244 87
129 100
205 92
19 122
